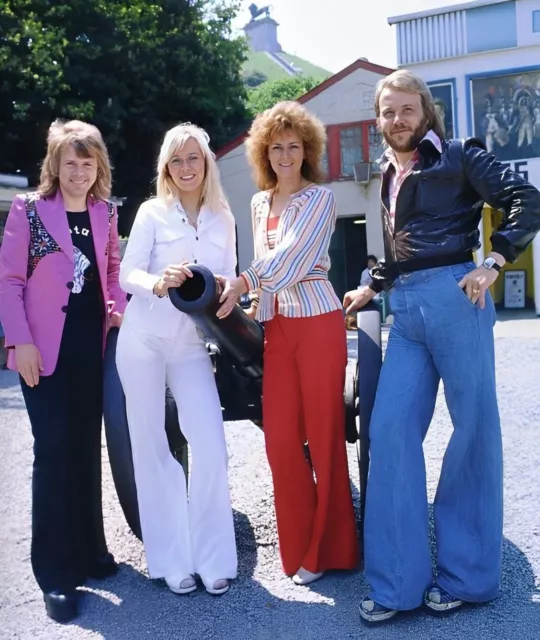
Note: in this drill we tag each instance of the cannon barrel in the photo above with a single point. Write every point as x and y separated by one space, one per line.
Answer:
237 335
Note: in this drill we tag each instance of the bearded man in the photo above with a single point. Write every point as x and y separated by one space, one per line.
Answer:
433 191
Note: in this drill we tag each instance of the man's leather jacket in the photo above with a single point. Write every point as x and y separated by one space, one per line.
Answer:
439 206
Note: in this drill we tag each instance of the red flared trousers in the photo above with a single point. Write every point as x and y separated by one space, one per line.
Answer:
303 382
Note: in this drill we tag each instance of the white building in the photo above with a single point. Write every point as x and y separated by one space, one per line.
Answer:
10 186
482 62
344 103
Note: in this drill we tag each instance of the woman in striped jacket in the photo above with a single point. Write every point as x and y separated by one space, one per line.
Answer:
305 352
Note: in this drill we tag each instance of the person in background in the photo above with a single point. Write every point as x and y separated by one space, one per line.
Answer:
305 350
188 222
59 294
433 191
365 278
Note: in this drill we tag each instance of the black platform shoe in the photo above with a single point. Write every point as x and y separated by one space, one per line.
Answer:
104 567
61 606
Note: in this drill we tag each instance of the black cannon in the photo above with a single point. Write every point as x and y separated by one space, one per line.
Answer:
235 345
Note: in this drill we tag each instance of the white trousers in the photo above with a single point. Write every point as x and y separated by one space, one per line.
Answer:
181 536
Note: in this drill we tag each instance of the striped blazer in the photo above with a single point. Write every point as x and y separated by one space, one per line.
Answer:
295 272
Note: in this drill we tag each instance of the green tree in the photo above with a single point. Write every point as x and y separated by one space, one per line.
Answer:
255 79
132 67
268 94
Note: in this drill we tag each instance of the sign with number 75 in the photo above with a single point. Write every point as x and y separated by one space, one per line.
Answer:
521 167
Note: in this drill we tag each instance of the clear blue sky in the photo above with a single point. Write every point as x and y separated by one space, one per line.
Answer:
333 34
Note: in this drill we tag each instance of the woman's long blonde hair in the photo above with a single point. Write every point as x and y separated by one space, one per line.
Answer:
213 195
87 142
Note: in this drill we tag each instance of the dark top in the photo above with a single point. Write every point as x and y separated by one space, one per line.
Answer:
86 309
439 207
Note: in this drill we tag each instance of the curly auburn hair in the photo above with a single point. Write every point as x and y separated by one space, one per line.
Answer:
87 142
284 116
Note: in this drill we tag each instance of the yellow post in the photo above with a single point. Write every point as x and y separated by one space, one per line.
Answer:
491 219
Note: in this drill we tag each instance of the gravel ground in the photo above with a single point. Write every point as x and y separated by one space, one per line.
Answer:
262 604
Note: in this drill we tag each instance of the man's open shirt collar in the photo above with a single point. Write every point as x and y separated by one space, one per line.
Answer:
389 158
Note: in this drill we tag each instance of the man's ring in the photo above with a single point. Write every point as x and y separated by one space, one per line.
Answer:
476 290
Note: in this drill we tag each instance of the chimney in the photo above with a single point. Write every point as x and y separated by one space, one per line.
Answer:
262 35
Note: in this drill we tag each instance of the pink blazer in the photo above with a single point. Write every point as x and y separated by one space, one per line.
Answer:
36 272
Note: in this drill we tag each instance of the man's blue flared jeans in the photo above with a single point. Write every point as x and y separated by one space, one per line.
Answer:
437 334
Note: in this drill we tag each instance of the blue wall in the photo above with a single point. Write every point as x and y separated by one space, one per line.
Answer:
491 27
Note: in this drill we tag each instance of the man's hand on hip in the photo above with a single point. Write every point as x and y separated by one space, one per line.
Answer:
476 283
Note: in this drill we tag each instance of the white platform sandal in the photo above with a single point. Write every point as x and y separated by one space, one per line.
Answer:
181 585
303 576
218 587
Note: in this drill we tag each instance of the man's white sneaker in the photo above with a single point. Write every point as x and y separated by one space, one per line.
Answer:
373 612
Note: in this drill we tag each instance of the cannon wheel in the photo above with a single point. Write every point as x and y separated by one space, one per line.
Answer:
240 396
350 396
118 441
369 368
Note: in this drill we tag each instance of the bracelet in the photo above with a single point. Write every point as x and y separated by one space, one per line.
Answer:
158 295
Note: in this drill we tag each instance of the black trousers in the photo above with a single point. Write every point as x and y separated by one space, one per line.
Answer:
65 411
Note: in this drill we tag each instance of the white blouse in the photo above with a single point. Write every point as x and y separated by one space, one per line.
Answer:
160 236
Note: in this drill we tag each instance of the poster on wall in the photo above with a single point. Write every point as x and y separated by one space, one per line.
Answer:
506 111
443 96
514 289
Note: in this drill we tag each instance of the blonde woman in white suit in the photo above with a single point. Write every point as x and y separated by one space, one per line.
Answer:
189 221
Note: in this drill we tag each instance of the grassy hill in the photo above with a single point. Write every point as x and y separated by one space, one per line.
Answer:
308 68
259 63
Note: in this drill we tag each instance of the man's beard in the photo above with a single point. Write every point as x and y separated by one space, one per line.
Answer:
411 143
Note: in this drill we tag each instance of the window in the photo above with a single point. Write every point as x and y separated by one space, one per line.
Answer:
536 21
376 146
348 144
351 148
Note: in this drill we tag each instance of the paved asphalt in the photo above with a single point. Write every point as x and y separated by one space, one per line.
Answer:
262 604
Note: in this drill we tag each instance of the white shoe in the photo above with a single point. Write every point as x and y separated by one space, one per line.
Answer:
218 588
181 585
303 576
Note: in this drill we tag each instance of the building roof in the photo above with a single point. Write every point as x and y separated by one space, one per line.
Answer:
444 9
361 63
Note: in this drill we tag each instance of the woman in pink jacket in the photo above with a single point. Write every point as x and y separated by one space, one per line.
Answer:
59 293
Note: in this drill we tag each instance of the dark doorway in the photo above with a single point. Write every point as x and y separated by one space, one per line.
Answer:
348 253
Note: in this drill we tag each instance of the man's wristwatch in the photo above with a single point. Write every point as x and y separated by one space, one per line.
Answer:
491 263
